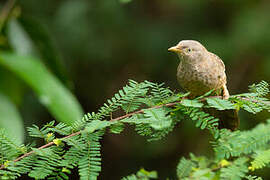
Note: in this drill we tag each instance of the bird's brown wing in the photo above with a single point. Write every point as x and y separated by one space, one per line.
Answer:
227 118
218 68
218 61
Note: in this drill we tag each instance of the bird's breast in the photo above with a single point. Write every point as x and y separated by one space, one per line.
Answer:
199 78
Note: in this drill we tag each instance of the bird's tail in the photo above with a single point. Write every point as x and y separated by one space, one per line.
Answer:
227 118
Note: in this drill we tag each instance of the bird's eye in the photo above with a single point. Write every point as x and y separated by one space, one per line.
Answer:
189 50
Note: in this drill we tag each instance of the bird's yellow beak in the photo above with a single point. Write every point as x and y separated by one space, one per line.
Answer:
175 49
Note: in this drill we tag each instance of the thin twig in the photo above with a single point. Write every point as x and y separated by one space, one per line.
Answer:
41 147
79 132
255 100
141 111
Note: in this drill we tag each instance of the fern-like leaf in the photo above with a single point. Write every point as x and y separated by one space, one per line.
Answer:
90 164
9 149
142 174
261 89
261 159
236 170
154 123
249 177
159 94
48 161
220 104
184 168
245 142
203 120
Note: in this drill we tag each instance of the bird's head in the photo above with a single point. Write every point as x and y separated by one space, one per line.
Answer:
189 50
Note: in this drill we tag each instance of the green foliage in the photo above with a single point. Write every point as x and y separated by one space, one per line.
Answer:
46 163
194 168
125 1
9 149
10 117
261 89
184 168
19 39
22 167
254 101
128 99
117 128
203 120
142 174
159 94
236 170
191 103
88 31
154 123
249 177
52 94
242 142
90 163
236 153
220 104
261 159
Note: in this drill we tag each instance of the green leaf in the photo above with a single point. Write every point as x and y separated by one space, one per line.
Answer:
125 1
20 40
117 128
261 159
237 143
52 94
250 177
29 37
97 125
184 168
203 174
206 94
220 104
142 174
191 103
46 47
147 174
11 120
252 107
157 118
236 170
261 89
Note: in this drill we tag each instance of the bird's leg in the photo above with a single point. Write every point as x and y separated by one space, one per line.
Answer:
225 92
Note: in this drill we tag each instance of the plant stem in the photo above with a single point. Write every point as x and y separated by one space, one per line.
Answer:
79 132
123 117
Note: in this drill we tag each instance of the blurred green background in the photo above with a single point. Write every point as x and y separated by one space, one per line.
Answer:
90 48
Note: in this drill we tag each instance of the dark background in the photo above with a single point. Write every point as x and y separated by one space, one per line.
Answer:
103 43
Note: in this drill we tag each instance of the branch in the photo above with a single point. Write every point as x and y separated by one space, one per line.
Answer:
142 111
41 147
255 100
123 117
79 132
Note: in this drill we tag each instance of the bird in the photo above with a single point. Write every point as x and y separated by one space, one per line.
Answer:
201 71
